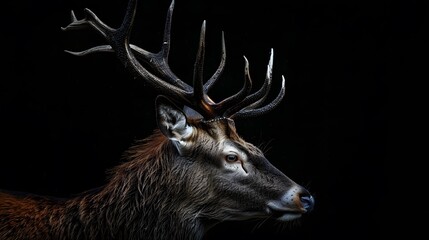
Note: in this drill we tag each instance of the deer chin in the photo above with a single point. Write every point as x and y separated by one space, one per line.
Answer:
240 215
288 216
282 216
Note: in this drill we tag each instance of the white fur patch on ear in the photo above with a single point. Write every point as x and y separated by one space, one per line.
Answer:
173 123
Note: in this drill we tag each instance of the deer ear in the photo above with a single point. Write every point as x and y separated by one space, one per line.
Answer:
171 120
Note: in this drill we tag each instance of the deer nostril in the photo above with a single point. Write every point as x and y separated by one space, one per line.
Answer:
307 202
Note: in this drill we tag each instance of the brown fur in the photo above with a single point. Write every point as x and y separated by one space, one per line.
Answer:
135 197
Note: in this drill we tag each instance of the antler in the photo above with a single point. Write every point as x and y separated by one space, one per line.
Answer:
160 76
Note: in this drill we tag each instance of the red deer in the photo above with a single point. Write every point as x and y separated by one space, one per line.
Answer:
192 173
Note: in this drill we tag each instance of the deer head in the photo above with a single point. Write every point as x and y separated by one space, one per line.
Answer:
212 172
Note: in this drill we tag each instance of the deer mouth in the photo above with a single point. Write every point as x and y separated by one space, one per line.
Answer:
283 214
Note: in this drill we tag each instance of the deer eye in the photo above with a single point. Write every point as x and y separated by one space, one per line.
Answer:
231 158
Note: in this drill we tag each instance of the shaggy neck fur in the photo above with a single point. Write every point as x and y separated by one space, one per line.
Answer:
142 200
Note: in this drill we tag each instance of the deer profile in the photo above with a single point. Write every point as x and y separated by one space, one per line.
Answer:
193 172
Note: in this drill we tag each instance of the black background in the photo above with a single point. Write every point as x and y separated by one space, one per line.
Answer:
66 120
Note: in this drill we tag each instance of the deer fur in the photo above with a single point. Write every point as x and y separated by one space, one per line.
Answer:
192 173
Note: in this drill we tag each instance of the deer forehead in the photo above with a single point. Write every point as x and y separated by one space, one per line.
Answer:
214 137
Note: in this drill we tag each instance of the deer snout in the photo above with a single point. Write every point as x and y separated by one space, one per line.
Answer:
298 198
292 204
307 201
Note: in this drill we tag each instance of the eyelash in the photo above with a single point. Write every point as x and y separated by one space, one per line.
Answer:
231 158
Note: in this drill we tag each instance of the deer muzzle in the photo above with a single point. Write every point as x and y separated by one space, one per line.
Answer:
291 205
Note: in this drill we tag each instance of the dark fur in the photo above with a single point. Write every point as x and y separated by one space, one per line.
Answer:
143 200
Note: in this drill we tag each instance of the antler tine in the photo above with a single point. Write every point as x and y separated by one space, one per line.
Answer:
165 50
86 22
101 48
210 83
247 107
90 20
240 95
246 113
199 65
202 100
265 89
256 99
159 60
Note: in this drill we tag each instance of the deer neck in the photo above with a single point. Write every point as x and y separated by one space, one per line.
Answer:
139 194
